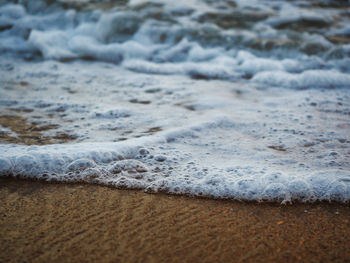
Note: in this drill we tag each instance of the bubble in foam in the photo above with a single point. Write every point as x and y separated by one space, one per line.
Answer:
112 114
338 192
300 190
80 165
160 158
26 165
91 174
5 167
321 183
276 191
275 178
246 189
129 166
143 152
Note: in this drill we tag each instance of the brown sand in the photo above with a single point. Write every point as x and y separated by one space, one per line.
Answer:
41 222
30 133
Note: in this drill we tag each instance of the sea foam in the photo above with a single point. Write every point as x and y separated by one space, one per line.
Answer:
164 163
151 39
239 100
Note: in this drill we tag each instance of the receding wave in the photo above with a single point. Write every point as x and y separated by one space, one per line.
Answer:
247 100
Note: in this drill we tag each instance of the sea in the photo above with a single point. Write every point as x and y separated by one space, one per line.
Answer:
227 99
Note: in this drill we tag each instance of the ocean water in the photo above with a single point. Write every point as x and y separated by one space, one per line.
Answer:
246 100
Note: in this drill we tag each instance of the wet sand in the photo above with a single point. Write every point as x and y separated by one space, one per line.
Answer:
43 222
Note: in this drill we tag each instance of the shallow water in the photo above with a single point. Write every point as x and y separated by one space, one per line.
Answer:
247 99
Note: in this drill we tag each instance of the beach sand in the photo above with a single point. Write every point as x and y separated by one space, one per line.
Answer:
46 222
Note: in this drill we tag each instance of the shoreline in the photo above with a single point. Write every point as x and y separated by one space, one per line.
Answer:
55 222
80 184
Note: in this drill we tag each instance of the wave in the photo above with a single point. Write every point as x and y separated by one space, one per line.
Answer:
162 163
225 99
226 40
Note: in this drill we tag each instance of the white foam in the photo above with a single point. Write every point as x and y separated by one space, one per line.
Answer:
53 44
151 45
253 66
306 79
165 163
12 11
205 70
183 105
